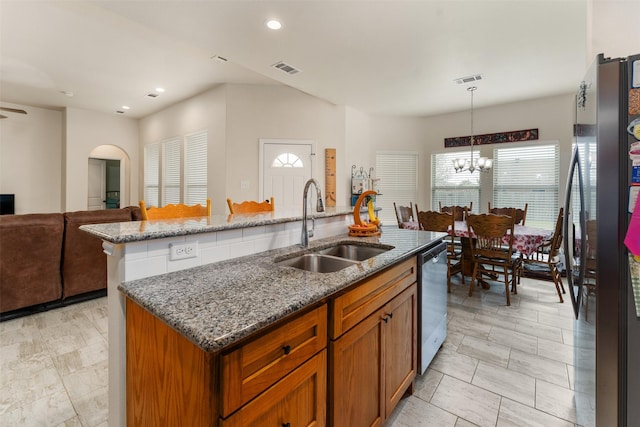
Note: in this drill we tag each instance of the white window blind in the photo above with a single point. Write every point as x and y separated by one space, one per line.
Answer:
171 171
528 175
451 188
398 174
196 168
152 174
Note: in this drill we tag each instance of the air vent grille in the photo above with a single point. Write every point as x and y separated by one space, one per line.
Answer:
468 79
153 95
289 69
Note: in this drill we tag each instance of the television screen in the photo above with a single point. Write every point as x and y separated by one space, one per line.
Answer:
7 204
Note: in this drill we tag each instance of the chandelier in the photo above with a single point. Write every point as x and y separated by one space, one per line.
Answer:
482 164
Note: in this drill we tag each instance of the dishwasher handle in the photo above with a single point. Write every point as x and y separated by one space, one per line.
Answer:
433 253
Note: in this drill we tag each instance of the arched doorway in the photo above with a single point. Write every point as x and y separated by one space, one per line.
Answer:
108 178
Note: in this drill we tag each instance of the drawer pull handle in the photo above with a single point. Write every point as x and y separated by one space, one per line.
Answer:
287 350
286 424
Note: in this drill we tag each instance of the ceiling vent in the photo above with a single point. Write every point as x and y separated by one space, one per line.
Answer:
153 95
286 68
468 79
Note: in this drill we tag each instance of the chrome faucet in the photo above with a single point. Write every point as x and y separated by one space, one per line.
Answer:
304 241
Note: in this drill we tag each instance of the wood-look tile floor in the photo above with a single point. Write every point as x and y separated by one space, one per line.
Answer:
500 366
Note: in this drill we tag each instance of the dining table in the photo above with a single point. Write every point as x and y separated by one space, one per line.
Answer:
526 240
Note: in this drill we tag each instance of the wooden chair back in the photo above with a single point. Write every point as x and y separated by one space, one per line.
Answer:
250 206
460 211
489 231
556 238
438 221
403 213
174 211
520 215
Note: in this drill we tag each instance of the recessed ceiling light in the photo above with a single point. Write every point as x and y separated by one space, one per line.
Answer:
273 24
160 89
126 107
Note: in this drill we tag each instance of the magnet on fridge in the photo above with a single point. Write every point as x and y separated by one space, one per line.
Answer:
634 128
633 197
634 102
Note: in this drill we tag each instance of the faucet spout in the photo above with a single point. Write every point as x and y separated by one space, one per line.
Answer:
304 240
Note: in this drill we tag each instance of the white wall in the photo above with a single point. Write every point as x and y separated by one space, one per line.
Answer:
86 130
255 112
31 158
206 111
553 116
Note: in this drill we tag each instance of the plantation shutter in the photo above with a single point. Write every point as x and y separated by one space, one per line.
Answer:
451 188
171 171
196 169
151 174
528 175
398 174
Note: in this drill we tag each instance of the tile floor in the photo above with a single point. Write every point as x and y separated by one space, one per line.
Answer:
500 366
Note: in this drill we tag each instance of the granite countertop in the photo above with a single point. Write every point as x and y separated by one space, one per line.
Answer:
215 305
134 231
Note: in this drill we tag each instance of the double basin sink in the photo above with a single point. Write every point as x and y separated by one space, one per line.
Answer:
334 258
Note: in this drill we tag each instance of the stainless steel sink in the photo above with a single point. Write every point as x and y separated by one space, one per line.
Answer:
354 252
318 263
334 258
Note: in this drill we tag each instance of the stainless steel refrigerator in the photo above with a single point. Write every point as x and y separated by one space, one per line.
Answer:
606 335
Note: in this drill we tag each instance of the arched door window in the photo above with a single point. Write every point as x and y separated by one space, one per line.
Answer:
287 160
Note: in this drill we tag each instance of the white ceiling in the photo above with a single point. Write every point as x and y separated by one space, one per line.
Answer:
380 57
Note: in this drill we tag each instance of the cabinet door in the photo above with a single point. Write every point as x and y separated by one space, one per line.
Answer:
356 384
299 400
400 340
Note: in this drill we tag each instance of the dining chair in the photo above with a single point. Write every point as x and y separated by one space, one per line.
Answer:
491 257
249 206
520 215
178 210
444 222
404 214
459 210
547 264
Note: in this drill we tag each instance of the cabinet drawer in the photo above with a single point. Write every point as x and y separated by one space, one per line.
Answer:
355 305
299 399
258 364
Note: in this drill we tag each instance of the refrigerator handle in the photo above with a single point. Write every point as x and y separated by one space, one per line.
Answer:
575 281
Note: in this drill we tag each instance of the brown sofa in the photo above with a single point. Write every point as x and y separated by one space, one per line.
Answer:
46 260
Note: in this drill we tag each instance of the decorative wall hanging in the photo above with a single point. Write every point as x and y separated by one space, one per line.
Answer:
492 138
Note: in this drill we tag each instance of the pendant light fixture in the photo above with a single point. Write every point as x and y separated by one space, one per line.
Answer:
482 164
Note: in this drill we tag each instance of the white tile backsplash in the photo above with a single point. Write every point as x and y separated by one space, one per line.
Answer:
150 258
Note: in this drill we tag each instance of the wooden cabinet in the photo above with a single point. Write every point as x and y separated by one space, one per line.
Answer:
373 363
255 366
275 378
299 399
280 376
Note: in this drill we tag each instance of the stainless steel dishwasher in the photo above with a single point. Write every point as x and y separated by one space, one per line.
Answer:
432 294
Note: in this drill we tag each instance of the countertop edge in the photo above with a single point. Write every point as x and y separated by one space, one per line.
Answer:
251 287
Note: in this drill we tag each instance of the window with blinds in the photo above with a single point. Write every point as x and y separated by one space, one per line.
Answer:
152 174
195 160
451 188
530 175
398 174
171 171
175 171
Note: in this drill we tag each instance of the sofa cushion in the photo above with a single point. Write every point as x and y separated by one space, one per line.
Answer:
30 256
84 264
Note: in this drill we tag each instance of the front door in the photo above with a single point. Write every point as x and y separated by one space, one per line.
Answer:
286 167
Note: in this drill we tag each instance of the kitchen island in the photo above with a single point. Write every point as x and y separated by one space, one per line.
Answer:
218 305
